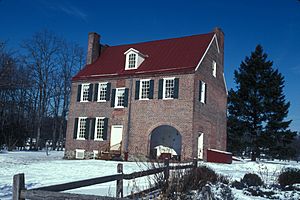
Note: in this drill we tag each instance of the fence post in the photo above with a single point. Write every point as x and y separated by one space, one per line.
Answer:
166 172
195 163
18 185
119 188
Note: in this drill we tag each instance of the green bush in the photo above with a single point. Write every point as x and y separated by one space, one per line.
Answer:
289 176
252 180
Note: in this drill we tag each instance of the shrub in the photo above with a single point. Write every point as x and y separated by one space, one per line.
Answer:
182 181
203 175
223 179
252 180
289 176
238 185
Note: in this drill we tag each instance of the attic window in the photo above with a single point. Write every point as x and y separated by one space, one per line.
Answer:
134 59
131 60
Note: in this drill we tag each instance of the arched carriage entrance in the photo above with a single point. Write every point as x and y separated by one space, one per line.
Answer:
165 141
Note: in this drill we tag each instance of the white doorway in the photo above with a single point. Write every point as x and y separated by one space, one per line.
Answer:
116 137
200 146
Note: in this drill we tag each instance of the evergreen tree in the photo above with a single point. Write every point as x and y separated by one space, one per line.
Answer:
257 109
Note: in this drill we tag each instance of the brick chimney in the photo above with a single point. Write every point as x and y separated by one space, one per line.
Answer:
220 36
93 51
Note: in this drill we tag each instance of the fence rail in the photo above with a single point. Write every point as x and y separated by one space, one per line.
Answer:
55 191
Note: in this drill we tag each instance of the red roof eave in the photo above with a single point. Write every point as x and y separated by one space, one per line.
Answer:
186 70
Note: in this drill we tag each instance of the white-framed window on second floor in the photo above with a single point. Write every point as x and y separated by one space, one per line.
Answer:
81 131
214 68
99 129
102 92
202 91
85 92
168 90
144 88
132 61
120 97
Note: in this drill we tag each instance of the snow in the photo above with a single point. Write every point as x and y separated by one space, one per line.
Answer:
42 170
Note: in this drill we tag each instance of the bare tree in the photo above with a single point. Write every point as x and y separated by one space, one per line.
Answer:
14 84
42 50
70 62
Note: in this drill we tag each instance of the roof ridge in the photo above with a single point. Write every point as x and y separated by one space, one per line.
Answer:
167 39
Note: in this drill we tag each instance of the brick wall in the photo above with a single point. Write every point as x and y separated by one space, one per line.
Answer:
145 116
210 118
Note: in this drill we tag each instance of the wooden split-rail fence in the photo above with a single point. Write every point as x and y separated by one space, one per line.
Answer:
55 191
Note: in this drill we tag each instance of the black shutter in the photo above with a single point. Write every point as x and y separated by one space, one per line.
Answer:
205 93
96 92
137 90
93 128
160 88
176 88
126 97
75 128
200 89
105 128
113 96
87 129
78 92
108 91
90 92
151 89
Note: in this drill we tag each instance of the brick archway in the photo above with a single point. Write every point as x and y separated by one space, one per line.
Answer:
165 139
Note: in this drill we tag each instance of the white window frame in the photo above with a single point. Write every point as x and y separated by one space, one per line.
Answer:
164 88
95 132
127 61
78 128
116 97
99 89
81 92
141 89
214 68
203 91
79 151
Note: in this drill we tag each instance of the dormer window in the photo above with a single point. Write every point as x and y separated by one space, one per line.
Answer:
134 59
131 60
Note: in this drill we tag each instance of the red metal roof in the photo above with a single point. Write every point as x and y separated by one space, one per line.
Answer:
169 55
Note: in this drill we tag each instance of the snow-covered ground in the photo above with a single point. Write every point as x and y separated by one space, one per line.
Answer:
42 170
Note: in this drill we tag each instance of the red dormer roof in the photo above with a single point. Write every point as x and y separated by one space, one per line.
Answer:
169 55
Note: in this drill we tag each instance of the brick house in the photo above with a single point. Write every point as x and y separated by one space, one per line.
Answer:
164 97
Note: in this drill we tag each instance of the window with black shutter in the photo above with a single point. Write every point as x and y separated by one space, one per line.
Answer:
82 124
160 88
85 94
87 128
108 88
90 92
151 89
137 90
113 97
105 128
75 128
126 92
93 124
176 88
78 92
96 91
